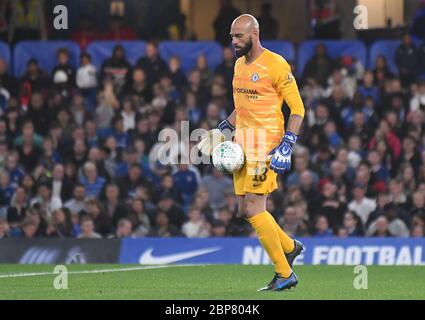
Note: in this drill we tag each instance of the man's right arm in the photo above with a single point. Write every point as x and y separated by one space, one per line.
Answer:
232 118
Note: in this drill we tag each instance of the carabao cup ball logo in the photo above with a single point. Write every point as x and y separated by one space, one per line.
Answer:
255 77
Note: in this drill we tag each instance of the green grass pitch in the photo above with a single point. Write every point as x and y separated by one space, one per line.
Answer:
208 282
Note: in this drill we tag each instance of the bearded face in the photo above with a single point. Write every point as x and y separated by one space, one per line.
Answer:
241 50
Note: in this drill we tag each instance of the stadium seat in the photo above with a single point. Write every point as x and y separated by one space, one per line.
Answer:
388 49
5 53
44 52
102 50
284 48
188 52
335 49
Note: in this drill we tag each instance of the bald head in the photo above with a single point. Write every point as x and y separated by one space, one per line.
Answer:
245 34
246 22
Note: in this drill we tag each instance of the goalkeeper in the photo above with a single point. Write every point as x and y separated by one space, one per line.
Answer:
262 81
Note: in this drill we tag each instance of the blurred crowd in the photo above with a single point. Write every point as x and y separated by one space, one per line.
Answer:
79 149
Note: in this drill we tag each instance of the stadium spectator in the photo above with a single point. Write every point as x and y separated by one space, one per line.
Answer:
61 186
139 87
18 206
63 65
104 169
216 184
328 205
34 79
186 181
92 183
163 227
292 221
124 229
383 198
360 204
152 63
102 221
38 217
117 68
139 218
388 223
172 209
197 226
45 199
205 71
417 232
308 190
176 72
226 68
14 169
418 205
368 87
406 59
107 104
77 203
61 224
382 71
38 114
379 228
50 156
319 67
417 102
379 173
218 229
393 142
321 227
87 229
398 193
29 229
114 208
338 80
80 112
353 224
301 166
86 78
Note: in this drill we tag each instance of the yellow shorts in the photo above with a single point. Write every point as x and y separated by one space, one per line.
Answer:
255 177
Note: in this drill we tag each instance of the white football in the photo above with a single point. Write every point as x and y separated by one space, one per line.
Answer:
228 157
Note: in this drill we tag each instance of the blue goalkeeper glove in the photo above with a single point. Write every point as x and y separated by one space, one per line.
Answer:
227 129
281 155
225 124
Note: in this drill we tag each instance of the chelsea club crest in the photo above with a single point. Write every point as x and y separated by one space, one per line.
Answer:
255 77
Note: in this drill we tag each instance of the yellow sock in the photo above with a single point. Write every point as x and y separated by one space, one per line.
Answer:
269 238
286 241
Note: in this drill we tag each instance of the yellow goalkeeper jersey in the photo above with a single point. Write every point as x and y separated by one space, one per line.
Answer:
259 89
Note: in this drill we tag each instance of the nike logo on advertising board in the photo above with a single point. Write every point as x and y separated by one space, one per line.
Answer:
148 258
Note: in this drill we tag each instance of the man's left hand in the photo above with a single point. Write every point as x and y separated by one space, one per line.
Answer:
281 155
